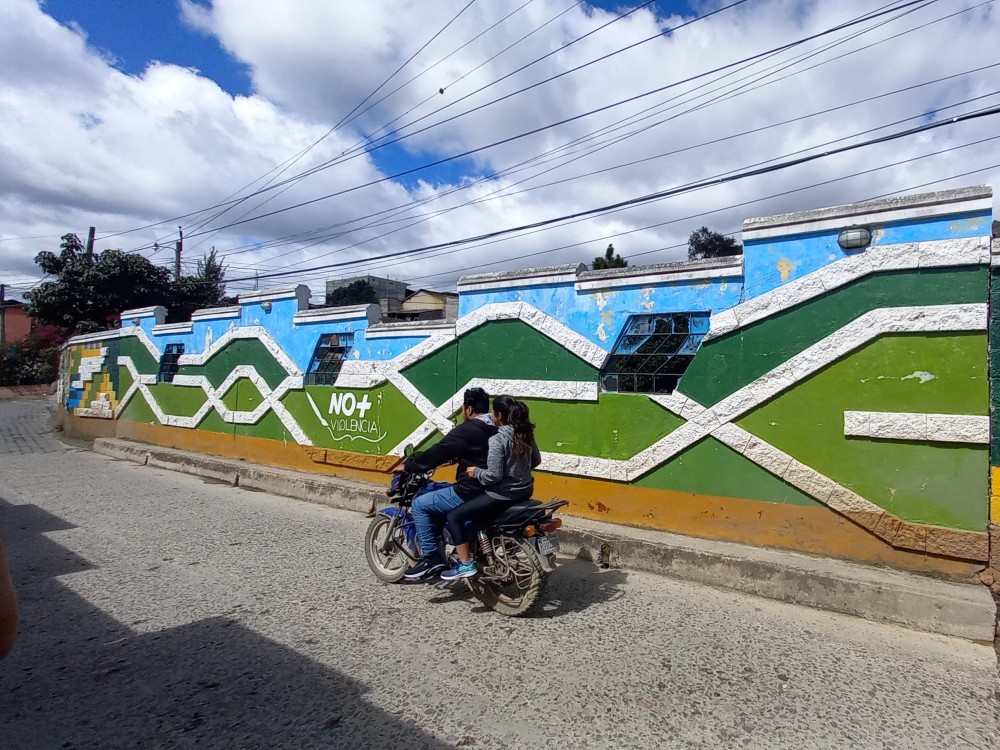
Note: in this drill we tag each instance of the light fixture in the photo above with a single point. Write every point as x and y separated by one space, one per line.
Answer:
854 238
266 305
135 321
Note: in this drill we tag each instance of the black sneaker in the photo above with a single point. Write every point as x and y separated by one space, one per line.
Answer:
424 567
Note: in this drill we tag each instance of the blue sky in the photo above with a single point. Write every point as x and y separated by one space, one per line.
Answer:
134 32
136 148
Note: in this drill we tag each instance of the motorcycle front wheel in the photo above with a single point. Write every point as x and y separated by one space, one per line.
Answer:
516 594
387 566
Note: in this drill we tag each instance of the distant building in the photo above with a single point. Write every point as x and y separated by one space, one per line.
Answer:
390 294
427 304
16 323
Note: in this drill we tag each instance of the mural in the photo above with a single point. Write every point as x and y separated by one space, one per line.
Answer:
803 395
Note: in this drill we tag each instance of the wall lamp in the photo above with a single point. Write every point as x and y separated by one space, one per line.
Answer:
266 305
855 238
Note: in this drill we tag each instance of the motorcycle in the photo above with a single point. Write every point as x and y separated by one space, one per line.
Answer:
515 551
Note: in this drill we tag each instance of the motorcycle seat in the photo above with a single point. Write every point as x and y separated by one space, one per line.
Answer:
515 511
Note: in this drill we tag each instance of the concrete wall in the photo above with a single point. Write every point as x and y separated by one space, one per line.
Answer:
16 324
838 404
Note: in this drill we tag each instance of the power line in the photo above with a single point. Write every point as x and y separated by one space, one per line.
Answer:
505 190
702 214
659 195
565 121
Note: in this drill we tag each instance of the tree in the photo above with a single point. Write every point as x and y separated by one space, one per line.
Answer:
358 292
610 260
206 288
90 291
708 244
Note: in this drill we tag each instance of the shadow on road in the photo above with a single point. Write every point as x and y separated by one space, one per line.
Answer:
574 586
78 678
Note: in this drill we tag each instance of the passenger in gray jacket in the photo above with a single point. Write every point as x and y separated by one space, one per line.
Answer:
506 479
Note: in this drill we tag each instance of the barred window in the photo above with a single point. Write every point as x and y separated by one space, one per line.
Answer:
653 351
329 356
168 363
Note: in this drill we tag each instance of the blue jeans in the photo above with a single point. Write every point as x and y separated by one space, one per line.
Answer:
429 512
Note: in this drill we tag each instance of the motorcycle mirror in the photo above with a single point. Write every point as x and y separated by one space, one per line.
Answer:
408 450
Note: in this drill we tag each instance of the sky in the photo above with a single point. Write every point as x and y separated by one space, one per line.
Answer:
306 141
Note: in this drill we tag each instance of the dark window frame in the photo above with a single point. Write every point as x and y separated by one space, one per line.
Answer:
169 363
328 357
653 351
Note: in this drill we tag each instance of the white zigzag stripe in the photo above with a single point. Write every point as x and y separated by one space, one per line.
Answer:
440 417
271 399
932 254
369 374
702 421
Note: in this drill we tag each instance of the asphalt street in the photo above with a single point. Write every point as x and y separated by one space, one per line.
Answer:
159 610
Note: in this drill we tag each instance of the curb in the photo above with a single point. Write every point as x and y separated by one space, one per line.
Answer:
955 609
314 488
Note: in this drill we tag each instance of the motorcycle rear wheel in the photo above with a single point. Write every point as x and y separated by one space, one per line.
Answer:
517 597
386 567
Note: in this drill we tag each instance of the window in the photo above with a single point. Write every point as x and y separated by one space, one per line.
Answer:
331 351
653 351
168 363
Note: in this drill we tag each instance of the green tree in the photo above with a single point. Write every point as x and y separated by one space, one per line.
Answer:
90 291
358 292
610 260
206 288
705 243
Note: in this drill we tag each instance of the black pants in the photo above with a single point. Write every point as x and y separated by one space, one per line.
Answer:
479 510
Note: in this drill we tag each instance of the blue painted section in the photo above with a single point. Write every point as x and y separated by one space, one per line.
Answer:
771 262
298 340
600 315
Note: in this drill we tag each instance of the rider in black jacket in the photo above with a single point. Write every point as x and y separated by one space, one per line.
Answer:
468 444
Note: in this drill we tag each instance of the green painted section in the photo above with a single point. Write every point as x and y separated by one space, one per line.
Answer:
944 484
178 400
514 350
124 382
137 410
435 376
711 468
239 352
269 427
724 365
144 362
617 426
213 422
994 365
509 349
389 418
242 396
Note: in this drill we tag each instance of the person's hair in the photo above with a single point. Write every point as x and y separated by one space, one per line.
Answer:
476 399
515 413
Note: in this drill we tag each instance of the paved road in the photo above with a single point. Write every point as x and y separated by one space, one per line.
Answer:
162 611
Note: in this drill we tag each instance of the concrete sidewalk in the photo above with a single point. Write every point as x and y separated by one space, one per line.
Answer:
955 609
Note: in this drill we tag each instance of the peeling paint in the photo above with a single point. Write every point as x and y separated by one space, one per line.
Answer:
602 334
785 268
920 375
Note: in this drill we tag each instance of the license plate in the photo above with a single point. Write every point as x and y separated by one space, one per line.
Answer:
547 545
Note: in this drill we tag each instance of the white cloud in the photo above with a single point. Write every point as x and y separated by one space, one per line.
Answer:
86 144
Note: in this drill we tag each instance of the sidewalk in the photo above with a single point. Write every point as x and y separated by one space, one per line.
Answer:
954 609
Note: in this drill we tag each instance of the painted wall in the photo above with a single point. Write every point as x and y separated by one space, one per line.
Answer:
839 404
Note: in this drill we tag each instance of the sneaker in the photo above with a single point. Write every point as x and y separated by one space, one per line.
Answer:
424 567
461 570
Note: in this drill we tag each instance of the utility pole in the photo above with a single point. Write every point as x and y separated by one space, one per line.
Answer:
3 317
178 249
90 242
